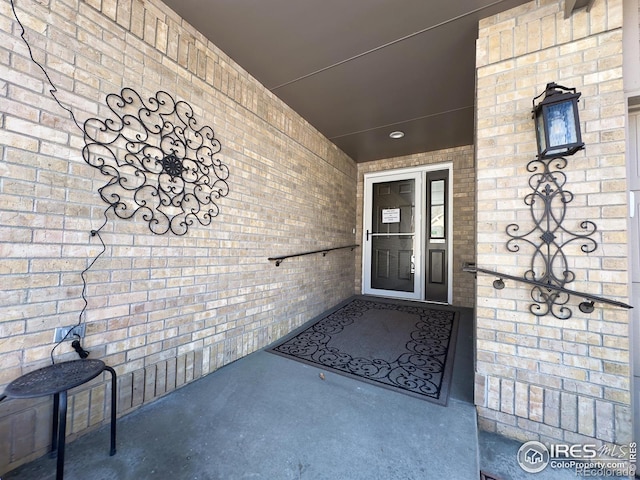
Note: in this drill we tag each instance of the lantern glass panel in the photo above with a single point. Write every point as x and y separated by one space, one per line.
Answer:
561 126
542 141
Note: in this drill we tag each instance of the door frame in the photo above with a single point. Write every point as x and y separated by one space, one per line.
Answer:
381 177
421 228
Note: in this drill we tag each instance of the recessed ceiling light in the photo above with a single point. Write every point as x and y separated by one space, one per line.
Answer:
397 134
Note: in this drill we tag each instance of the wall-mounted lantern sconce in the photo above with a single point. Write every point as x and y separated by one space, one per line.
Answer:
549 273
557 122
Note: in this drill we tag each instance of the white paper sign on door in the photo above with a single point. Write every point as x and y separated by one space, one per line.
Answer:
391 215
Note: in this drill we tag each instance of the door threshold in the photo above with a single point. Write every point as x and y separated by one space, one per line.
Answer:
445 304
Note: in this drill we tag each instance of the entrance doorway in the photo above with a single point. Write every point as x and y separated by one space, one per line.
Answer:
406 225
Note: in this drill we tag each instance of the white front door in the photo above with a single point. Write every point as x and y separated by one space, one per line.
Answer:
403 258
392 229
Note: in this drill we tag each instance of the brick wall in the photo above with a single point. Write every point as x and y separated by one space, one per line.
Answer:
463 206
541 377
163 310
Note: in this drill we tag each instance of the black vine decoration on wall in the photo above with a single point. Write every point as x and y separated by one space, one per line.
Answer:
549 238
161 164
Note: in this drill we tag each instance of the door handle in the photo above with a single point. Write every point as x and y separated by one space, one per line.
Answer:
368 233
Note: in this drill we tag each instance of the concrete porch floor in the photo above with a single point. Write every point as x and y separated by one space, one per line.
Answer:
269 417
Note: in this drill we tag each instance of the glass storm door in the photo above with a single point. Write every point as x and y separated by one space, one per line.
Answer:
407 252
392 230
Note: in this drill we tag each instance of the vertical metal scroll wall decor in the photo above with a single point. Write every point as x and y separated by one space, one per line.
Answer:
161 165
548 237
557 134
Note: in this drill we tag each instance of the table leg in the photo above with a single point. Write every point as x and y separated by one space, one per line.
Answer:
61 435
54 427
114 396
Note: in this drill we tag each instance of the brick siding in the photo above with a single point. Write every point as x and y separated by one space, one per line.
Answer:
164 310
540 378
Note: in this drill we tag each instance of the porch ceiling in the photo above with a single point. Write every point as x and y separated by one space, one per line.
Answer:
359 69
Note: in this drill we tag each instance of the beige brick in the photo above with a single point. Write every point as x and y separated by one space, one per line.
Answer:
569 412
586 416
536 403
605 421
148 295
561 366
623 422
80 411
507 397
552 407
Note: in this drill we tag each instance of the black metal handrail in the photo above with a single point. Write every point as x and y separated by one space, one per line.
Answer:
323 251
471 268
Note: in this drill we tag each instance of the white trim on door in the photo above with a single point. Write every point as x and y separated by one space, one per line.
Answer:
419 174
369 182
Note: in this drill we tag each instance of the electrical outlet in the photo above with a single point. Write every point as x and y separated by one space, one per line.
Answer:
72 331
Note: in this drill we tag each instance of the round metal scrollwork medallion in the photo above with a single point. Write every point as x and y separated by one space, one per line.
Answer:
172 165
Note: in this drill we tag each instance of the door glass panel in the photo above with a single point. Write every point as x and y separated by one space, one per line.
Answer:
393 231
437 192
437 209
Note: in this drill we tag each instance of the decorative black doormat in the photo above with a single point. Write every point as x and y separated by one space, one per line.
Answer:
407 347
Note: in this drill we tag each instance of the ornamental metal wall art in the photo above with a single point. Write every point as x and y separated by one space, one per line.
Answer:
160 163
549 238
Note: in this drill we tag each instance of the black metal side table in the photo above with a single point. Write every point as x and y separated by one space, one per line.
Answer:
56 380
